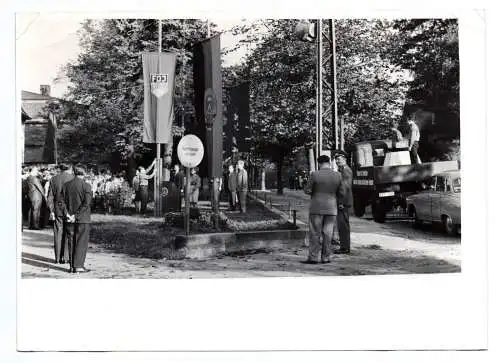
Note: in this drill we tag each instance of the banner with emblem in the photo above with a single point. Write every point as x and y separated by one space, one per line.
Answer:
208 104
159 85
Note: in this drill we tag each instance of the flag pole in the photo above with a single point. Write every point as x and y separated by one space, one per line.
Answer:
158 145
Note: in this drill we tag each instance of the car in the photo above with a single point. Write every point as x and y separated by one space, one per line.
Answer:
438 202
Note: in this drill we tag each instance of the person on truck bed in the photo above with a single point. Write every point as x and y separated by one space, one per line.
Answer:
413 138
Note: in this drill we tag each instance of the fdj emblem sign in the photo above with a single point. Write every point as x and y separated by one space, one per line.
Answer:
159 84
210 108
190 151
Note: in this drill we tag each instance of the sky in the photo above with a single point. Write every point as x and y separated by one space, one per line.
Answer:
47 41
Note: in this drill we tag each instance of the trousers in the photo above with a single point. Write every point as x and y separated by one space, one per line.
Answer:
232 199
61 247
344 229
78 237
143 194
414 153
34 213
321 228
242 196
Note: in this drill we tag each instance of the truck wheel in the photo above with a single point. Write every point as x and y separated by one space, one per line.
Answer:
378 212
359 208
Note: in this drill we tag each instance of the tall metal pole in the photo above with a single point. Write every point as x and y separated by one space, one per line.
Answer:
158 145
208 28
318 94
339 124
320 85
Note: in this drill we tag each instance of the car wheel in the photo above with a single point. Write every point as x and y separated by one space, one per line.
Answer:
448 226
417 223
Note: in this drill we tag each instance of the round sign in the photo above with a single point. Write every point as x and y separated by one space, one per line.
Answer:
190 151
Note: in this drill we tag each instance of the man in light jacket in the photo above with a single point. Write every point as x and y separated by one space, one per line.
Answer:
326 189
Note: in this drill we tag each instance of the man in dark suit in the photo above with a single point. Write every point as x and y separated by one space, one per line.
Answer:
343 214
77 196
231 187
55 203
326 189
242 186
35 196
179 186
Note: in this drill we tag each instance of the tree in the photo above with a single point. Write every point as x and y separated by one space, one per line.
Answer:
281 69
429 49
107 78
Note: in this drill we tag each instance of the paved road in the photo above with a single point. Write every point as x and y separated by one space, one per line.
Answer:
397 235
393 247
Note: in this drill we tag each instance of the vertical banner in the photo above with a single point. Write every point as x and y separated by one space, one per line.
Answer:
159 85
208 104
238 118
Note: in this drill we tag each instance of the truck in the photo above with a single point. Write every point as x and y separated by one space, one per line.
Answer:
383 176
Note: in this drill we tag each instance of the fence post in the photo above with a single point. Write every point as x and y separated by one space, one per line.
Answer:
295 217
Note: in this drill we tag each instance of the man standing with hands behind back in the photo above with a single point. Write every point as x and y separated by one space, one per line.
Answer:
231 186
242 186
77 196
327 194
55 203
343 213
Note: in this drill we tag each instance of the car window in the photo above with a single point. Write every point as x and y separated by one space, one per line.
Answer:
440 184
457 185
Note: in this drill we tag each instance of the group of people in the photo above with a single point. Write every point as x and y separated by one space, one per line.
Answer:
234 183
68 198
413 137
329 210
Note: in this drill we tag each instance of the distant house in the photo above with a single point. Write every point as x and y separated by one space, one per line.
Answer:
39 133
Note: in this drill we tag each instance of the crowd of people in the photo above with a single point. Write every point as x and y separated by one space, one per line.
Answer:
64 196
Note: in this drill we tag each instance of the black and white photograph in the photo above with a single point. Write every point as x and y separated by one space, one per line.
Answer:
205 148
224 179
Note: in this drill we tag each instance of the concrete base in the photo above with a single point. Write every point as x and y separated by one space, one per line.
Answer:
200 246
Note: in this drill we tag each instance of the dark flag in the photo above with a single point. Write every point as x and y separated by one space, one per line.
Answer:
208 104
159 84
237 128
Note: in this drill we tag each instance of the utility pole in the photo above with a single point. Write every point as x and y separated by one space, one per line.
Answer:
327 110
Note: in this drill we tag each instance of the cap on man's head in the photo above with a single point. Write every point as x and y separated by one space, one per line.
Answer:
323 159
79 170
338 153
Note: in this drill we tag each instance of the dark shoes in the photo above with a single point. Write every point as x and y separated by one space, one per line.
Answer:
79 270
310 262
62 261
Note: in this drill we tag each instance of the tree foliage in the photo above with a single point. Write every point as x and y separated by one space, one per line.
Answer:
107 79
429 49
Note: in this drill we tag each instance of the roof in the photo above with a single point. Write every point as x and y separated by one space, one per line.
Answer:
450 173
32 96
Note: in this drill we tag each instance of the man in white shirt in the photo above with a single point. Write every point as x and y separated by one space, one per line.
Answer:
413 138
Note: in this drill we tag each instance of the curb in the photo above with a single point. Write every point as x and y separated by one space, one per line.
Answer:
200 246
301 225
